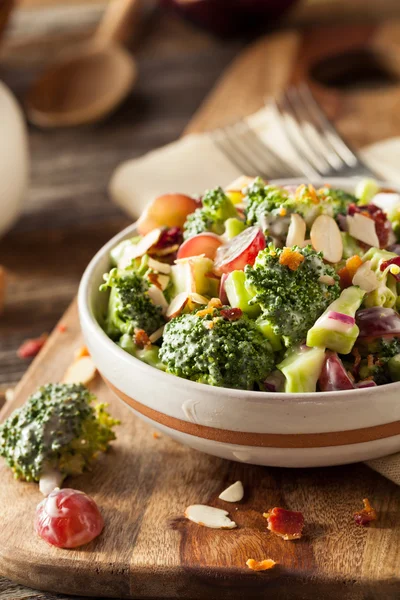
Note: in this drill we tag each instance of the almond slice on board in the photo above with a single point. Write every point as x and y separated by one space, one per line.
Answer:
208 516
297 231
82 370
234 493
326 238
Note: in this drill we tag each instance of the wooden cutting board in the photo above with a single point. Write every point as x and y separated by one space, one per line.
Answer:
143 485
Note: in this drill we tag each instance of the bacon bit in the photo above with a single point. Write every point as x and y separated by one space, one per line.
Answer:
282 212
30 348
366 515
81 352
291 258
62 328
141 338
231 314
156 435
383 227
3 287
288 524
351 376
370 361
260 565
153 278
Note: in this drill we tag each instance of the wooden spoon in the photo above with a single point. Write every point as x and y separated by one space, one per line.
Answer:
94 78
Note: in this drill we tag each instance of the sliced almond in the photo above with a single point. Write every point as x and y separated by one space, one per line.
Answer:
297 231
3 285
208 516
234 493
362 228
82 370
157 334
198 298
159 266
157 297
327 279
326 238
366 278
239 184
139 249
177 305
167 250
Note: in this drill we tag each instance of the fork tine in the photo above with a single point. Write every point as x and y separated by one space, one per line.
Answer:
220 140
243 150
327 157
265 153
304 164
329 130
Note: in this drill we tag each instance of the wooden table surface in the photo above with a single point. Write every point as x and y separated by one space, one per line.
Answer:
67 214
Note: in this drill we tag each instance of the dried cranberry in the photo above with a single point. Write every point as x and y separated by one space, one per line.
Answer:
231 314
170 237
31 348
366 515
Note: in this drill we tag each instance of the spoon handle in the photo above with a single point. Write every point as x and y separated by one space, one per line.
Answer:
119 21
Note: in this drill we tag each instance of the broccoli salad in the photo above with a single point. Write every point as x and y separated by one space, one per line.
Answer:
258 287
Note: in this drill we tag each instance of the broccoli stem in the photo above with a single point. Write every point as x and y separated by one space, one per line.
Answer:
302 368
239 295
233 227
333 334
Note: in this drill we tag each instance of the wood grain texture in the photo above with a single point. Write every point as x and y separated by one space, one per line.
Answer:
143 485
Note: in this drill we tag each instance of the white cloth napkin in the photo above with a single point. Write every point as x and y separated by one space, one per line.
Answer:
195 163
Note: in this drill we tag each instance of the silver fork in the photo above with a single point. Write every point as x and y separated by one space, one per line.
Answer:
321 151
245 149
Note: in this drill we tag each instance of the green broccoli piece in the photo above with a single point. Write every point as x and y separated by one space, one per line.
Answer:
148 355
130 306
208 347
394 367
117 254
365 190
215 210
302 368
350 246
384 366
333 334
335 201
58 430
263 203
291 300
386 294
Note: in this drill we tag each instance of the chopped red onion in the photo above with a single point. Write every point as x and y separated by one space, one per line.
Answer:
365 384
337 316
275 382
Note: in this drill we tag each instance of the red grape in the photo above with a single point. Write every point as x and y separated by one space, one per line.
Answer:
377 322
68 518
333 375
240 251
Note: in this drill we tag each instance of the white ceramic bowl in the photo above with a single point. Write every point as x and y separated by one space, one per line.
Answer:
287 430
14 159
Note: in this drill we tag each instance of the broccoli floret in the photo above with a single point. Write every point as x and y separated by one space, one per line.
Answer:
56 430
290 292
339 200
130 306
263 203
216 209
207 347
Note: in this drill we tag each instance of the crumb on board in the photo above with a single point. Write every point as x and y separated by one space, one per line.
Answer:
260 565
156 435
31 347
61 327
366 515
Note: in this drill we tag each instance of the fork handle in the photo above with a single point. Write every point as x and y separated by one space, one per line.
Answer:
120 20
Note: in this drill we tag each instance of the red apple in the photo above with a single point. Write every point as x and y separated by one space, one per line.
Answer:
203 243
222 292
240 251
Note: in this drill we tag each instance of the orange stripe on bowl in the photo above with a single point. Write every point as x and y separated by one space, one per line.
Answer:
263 440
